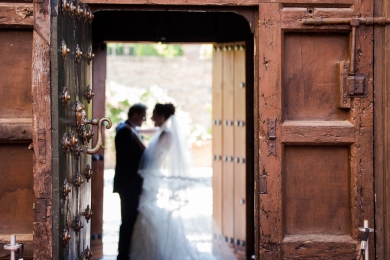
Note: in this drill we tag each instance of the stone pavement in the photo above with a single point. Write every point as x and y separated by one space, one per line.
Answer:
112 216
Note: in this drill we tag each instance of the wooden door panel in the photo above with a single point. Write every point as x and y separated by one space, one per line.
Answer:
228 144
217 135
15 67
240 143
316 190
309 78
315 157
17 195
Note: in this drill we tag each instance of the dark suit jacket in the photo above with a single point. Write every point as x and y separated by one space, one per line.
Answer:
128 156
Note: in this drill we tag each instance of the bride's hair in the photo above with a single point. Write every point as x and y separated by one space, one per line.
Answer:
165 109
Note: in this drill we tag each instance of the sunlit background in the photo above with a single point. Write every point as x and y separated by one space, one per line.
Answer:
150 74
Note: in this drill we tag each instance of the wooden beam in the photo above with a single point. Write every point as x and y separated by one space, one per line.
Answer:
16 15
15 129
318 132
217 2
381 133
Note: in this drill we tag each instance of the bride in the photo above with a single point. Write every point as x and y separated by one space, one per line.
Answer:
168 225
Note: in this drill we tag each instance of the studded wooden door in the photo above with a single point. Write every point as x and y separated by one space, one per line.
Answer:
316 132
72 130
232 203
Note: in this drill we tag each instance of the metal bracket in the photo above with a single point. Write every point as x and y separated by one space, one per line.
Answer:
355 85
272 136
40 210
263 184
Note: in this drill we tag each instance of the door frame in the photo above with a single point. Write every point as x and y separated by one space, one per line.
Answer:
45 239
42 139
381 132
250 14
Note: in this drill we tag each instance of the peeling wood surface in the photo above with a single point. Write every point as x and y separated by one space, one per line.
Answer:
15 129
42 168
42 12
270 106
16 15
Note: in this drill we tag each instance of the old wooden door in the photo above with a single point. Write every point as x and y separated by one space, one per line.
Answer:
16 160
72 130
232 199
316 132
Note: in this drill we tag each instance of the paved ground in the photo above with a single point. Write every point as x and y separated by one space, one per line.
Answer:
111 214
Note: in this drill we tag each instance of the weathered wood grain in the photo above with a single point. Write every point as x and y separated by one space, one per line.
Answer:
270 107
16 189
291 17
318 132
381 127
16 15
15 67
305 91
15 129
42 167
42 14
320 247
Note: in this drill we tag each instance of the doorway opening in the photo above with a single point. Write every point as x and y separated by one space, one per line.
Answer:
219 35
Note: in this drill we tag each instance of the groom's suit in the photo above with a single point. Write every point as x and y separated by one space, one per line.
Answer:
127 182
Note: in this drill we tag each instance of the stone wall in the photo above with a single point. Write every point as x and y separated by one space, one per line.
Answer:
187 79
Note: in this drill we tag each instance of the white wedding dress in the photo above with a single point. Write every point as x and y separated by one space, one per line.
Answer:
168 226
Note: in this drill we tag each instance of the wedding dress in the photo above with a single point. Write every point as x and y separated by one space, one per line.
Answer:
168 225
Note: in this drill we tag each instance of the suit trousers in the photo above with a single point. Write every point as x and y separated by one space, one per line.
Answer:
129 212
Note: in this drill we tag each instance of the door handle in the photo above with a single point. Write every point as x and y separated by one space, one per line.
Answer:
82 122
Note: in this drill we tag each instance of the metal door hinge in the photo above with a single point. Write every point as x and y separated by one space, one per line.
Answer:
263 184
40 208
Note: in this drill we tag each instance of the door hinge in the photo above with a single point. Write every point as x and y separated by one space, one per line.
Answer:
40 208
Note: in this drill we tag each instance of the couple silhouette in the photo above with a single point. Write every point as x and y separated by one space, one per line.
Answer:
154 184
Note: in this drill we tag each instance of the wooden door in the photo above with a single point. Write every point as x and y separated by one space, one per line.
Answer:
17 195
230 174
316 133
72 120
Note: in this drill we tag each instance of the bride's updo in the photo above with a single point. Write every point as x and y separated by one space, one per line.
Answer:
165 109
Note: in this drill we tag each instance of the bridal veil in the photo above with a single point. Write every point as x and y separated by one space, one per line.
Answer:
171 224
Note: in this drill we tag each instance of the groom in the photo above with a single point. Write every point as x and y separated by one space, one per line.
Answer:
127 182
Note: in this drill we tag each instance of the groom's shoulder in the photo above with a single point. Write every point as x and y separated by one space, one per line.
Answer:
122 128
